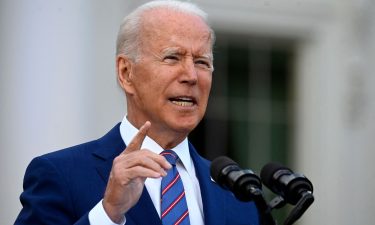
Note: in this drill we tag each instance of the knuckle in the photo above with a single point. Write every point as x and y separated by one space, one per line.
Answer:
141 161
117 160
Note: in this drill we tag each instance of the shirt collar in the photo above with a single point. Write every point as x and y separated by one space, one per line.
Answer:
128 131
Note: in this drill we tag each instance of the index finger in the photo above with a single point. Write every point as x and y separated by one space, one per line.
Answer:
136 142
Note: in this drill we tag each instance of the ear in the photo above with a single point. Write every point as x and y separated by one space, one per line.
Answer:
124 73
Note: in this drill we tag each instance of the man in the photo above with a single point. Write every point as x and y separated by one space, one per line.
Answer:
164 65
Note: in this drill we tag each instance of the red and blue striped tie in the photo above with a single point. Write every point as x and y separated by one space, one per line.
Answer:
174 210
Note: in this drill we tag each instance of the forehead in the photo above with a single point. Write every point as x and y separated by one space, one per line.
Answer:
163 28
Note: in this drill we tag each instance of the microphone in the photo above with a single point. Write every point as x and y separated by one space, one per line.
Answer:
284 182
243 183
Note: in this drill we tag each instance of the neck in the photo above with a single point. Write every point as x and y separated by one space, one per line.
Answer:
167 143
165 137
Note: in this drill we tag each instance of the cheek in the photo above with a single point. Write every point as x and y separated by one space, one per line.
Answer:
148 82
205 86
153 92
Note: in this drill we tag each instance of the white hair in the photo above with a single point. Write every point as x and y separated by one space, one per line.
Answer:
128 42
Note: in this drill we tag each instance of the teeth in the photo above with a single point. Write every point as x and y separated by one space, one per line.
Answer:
182 103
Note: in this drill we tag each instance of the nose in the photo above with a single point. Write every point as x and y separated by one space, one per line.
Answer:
189 74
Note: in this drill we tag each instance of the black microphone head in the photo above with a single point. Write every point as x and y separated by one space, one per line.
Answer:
218 165
225 172
268 171
283 181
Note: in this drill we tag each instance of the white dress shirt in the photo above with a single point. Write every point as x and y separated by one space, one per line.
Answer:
185 167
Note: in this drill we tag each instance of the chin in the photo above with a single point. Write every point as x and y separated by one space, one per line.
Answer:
185 126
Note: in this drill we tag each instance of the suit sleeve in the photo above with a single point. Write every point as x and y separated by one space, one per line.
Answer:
46 199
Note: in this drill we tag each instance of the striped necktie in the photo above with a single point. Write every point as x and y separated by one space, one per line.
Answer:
174 210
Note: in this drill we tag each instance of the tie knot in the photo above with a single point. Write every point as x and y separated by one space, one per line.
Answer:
170 156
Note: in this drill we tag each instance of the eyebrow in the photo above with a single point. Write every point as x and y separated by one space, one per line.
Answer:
178 51
171 51
207 56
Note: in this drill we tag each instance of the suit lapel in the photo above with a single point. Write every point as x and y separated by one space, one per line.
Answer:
110 146
212 195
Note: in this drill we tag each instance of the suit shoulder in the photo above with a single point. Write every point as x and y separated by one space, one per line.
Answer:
73 151
105 146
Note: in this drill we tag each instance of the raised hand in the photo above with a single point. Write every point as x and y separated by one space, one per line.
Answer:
128 174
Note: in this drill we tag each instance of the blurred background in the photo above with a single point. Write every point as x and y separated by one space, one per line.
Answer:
294 82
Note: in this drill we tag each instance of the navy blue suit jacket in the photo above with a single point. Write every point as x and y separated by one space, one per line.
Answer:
60 188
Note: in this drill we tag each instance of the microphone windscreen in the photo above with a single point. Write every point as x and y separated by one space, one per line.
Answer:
218 165
267 172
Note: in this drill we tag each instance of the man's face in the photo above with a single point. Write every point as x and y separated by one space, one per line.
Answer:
172 78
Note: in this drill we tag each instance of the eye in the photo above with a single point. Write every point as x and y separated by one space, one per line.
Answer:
204 63
171 58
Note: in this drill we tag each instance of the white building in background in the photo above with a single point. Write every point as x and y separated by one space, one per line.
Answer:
58 88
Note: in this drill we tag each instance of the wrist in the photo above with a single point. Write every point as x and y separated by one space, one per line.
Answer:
116 216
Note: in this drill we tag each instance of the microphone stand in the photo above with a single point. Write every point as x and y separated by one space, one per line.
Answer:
263 209
306 200
302 205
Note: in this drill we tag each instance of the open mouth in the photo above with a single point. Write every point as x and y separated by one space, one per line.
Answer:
183 101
